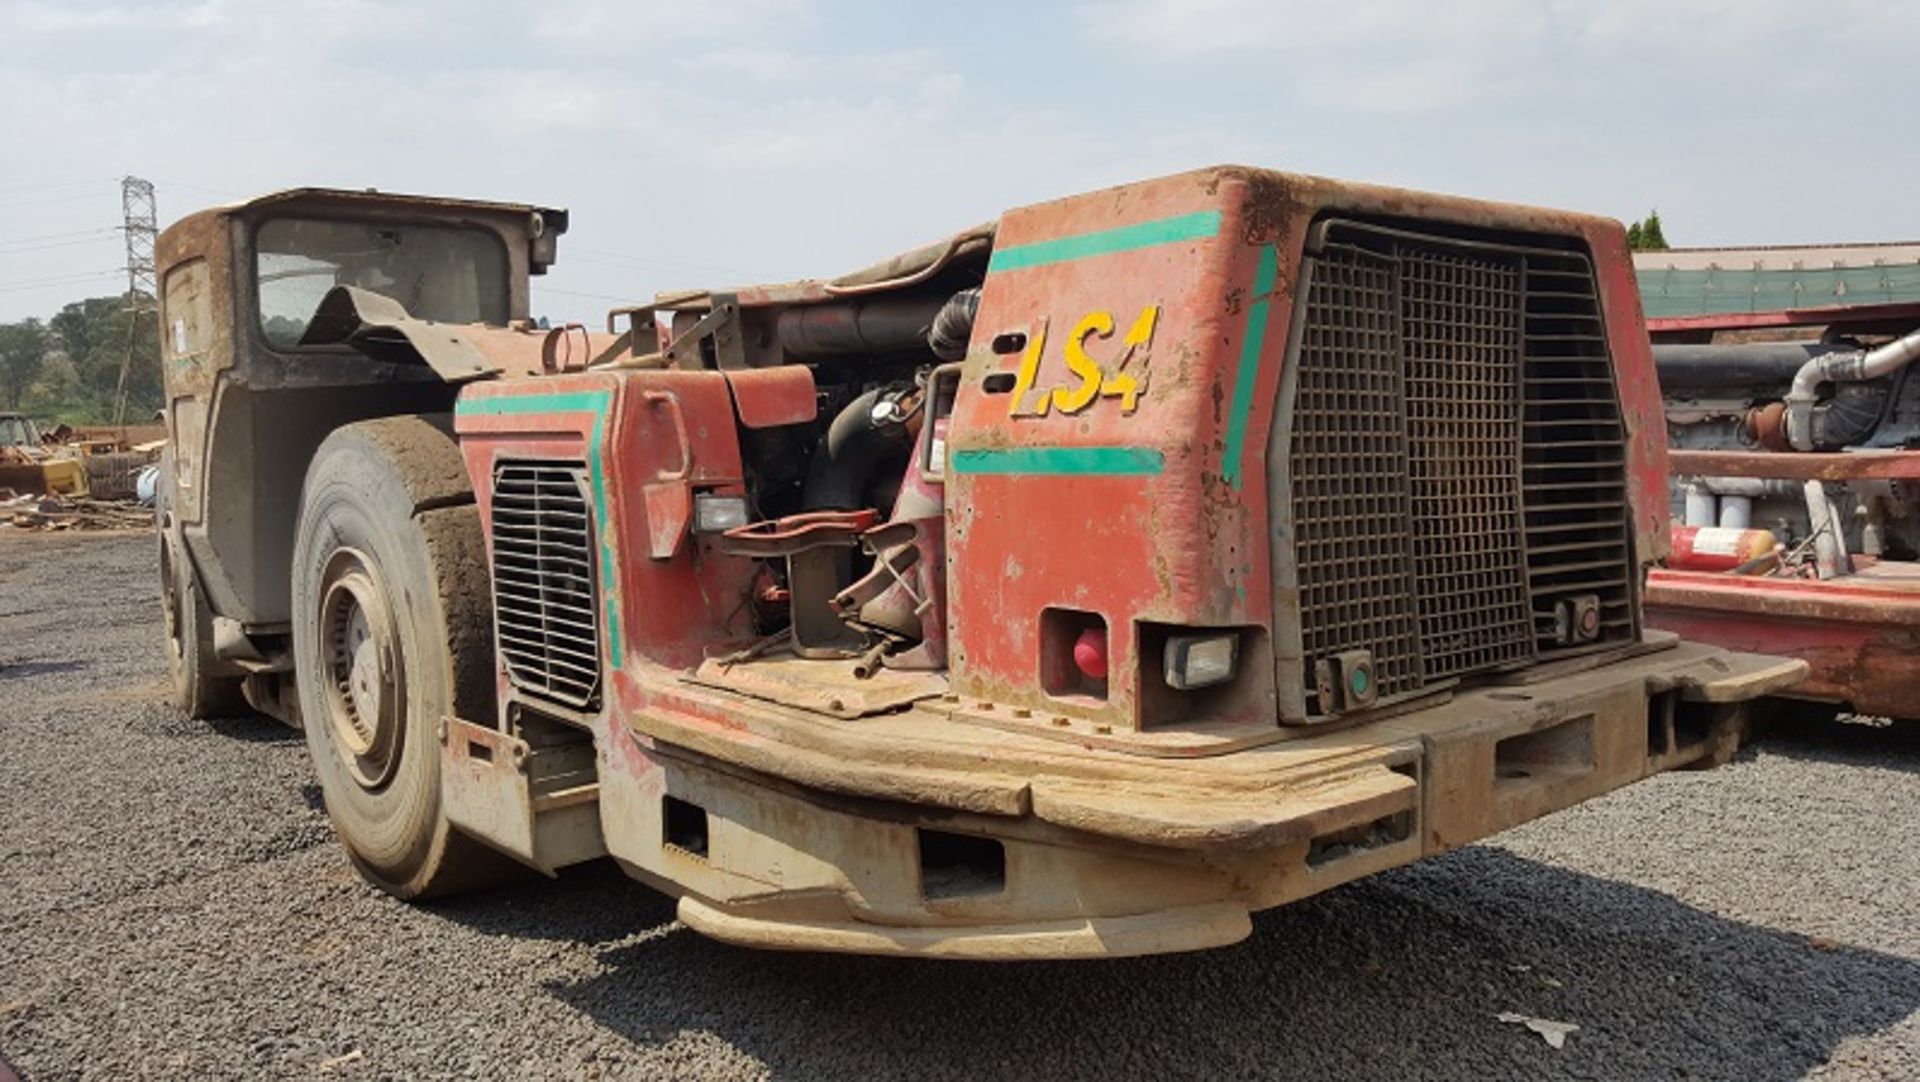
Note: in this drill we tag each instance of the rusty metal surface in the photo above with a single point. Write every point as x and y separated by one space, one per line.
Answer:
1860 635
1176 495
1680 327
1886 598
245 417
1803 466
222 237
770 397
379 327
784 678
924 751
1170 498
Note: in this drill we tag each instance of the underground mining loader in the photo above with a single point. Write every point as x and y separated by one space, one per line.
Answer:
1074 585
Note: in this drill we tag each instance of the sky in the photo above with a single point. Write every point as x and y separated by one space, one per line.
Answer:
732 141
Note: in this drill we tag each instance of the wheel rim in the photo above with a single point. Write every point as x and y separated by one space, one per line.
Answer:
360 655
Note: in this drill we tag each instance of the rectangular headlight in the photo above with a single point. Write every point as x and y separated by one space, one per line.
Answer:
717 514
1199 661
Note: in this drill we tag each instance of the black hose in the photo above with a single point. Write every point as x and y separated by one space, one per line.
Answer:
953 325
1734 365
842 467
1849 417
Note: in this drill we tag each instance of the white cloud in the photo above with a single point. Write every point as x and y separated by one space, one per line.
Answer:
642 27
1412 56
1210 26
60 19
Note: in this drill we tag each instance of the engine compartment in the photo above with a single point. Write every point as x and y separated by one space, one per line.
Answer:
842 512
1738 393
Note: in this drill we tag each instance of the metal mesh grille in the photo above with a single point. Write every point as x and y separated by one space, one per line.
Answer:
1456 457
545 603
1349 459
1462 329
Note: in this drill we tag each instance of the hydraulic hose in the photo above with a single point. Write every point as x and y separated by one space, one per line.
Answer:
953 325
1853 367
857 440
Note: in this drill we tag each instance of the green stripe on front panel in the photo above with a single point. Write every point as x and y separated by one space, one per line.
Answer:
1061 461
1196 226
596 403
1244 378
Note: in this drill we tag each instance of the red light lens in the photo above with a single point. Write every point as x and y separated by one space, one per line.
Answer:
1090 653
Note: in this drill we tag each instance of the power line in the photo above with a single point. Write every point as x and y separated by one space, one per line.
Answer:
50 202
574 253
59 279
57 184
577 293
56 236
228 192
31 248
56 279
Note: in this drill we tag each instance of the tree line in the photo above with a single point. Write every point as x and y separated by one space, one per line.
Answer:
66 369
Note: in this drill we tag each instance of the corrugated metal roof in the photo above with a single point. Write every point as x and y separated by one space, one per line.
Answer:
1714 281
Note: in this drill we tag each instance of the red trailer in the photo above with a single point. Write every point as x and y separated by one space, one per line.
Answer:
1802 424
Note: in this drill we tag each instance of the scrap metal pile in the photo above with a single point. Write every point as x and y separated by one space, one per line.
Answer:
64 480
49 512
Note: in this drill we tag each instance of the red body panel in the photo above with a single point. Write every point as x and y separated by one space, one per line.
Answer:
650 440
1142 506
1860 634
1186 544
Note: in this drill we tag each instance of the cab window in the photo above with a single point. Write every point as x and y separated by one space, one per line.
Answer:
450 274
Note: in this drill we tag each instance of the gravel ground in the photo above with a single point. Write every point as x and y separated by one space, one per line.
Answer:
172 904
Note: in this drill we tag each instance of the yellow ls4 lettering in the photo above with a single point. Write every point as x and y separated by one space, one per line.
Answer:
1125 378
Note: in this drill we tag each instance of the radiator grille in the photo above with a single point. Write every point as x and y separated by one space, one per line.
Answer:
1350 507
1456 458
1461 339
546 606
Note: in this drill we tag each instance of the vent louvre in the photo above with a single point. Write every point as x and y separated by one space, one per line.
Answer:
1456 457
1574 468
545 601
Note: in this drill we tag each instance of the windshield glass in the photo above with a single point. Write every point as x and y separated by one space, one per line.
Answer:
445 273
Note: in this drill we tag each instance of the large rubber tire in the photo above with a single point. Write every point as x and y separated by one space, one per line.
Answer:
202 686
392 630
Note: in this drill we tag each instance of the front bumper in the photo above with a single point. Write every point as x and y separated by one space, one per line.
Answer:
820 835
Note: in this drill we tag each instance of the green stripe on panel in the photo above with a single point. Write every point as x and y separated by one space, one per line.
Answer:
596 403
1241 405
514 405
1196 226
1058 461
